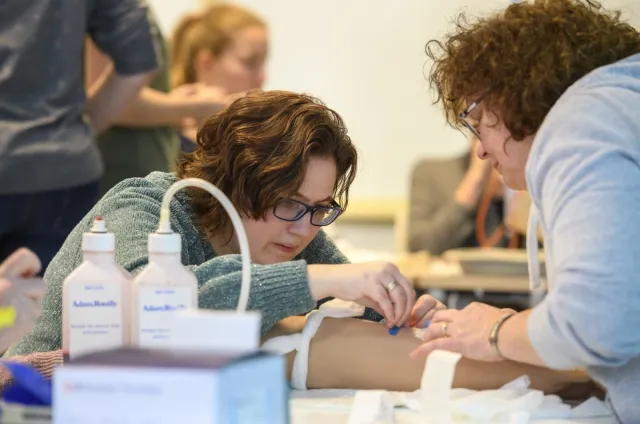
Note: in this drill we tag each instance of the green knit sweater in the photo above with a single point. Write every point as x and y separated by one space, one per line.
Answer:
132 211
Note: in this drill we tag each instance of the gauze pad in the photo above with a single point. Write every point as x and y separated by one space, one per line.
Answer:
514 402
372 407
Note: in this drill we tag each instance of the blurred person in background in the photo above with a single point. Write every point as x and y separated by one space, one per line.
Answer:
458 202
462 203
145 136
223 48
49 162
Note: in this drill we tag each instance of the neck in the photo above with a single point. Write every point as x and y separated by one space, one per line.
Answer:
222 245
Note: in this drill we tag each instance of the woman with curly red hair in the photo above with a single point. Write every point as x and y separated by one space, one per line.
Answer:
551 88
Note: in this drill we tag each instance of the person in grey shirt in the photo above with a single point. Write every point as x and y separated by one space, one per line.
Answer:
447 195
49 161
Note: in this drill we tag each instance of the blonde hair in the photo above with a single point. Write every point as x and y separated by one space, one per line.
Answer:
211 30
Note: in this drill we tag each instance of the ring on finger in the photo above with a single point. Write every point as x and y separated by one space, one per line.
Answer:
392 285
444 329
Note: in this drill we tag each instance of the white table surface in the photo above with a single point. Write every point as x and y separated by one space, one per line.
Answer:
333 406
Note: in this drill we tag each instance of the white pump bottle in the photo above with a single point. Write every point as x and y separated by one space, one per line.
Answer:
95 297
165 294
162 288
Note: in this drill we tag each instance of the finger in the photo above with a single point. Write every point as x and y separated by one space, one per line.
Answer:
435 331
426 319
409 292
447 315
423 306
399 299
22 263
381 297
425 349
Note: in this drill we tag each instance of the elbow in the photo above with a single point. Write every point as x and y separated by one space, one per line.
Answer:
604 346
148 76
565 338
142 79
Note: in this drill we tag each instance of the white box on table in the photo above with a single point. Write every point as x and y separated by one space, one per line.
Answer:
131 386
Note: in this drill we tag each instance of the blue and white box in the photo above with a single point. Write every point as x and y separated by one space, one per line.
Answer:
134 386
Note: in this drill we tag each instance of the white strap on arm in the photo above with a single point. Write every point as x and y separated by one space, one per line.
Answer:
300 342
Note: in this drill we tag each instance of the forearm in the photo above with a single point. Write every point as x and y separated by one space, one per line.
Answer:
355 354
154 108
111 94
514 342
278 291
470 189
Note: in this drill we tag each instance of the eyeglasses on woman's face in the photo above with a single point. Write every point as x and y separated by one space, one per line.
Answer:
468 122
293 210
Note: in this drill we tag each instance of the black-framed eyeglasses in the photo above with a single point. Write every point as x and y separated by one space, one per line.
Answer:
464 118
293 210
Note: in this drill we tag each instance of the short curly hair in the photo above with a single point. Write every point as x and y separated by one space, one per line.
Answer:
256 152
521 60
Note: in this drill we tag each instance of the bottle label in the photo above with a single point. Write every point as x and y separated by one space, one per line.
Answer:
155 306
95 318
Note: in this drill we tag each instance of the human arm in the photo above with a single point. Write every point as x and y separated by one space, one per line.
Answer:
121 30
344 352
151 108
585 176
442 214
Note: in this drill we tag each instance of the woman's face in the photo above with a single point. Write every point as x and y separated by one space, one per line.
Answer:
272 240
241 65
507 156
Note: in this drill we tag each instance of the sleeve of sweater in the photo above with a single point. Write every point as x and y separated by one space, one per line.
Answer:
584 177
322 250
43 362
436 221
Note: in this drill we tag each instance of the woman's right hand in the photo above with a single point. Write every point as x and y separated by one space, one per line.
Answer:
377 285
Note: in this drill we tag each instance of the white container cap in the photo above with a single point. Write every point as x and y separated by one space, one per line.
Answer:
165 243
98 239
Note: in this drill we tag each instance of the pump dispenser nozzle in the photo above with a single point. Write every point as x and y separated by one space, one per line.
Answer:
99 226
98 239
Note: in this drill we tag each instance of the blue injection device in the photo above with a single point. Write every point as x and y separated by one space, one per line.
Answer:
394 330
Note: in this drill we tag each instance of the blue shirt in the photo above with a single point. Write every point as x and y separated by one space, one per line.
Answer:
583 175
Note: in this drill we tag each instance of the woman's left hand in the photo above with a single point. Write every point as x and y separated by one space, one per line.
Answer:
463 331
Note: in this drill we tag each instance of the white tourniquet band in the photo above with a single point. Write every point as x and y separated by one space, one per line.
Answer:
300 342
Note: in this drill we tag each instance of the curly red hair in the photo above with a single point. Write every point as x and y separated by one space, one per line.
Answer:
521 60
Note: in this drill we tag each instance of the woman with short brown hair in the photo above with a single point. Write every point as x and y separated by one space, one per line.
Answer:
286 163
